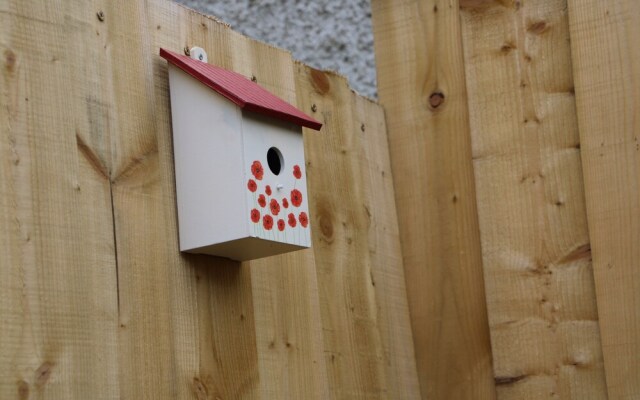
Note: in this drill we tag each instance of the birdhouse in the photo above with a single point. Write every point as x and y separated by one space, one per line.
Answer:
239 161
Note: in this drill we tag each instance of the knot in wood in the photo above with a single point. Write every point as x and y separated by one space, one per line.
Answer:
436 99
319 81
9 59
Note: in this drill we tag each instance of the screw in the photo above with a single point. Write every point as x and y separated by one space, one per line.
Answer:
200 57
314 108
187 52
100 16
253 78
362 127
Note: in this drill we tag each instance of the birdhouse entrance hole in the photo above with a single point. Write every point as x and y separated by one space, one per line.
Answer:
275 160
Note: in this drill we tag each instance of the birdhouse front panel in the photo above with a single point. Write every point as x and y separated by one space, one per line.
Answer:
276 181
240 180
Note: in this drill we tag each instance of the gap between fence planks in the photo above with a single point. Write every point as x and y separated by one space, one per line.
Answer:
95 313
530 196
421 84
606 65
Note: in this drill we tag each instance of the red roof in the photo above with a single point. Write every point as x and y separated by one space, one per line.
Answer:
240 90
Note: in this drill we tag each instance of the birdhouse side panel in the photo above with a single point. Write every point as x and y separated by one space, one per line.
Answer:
207 138
276 184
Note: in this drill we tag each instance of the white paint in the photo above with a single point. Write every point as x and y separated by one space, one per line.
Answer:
215 144
207 147
198 53
260 134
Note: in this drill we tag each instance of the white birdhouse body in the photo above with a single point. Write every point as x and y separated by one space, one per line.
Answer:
240 175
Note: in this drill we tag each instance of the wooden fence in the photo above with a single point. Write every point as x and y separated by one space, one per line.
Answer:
514 124
96 300
507 188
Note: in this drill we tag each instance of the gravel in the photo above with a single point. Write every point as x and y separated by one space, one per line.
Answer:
325 34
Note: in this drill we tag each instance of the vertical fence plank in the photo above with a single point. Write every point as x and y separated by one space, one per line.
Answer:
285 291
535 243
421 85
606 65
367 342
58 297
288 327
351 342
158 289
386 267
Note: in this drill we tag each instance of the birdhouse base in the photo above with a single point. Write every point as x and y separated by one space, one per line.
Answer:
245 249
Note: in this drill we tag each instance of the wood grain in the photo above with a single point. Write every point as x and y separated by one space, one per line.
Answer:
383 238
159 326
421 84
96 300
58 286
285 291
263 333
367 341
530 196
606 66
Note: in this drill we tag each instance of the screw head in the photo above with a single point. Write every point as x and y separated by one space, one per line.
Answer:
314 108
200 57
100 16
187 52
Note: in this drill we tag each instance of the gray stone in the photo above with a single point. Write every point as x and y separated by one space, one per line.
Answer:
325 34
